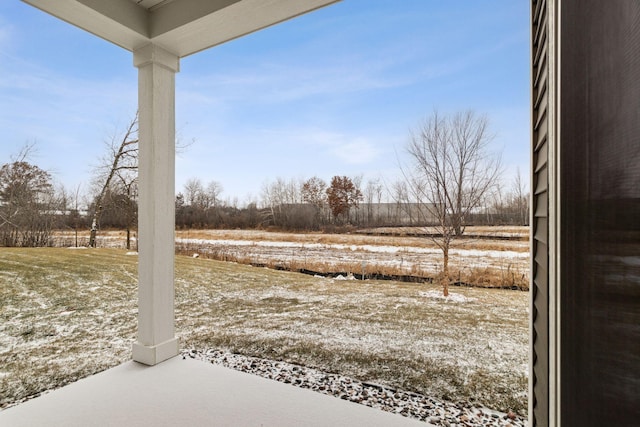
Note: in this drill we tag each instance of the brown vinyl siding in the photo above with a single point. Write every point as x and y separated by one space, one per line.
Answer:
540 223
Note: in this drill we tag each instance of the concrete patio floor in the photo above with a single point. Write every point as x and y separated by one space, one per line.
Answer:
189 392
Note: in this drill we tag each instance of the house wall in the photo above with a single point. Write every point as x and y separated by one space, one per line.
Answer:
539 385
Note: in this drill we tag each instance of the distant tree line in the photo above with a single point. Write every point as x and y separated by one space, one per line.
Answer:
313 205
429 194
32 205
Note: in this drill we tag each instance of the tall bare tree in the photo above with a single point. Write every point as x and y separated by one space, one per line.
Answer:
213 191
193 191
520 198
450 171
372 197
121 163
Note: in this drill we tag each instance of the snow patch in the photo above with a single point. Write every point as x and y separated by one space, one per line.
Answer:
451 298
132 253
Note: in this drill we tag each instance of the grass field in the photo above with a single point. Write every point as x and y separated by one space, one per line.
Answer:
65 314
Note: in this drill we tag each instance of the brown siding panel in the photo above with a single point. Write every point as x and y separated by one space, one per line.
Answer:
542 182
541 204
540 234
541 158
540 223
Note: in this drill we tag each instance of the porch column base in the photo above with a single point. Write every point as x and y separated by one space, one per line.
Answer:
152 355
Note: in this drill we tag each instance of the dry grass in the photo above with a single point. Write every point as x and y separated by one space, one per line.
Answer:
66 314
400 239
501 277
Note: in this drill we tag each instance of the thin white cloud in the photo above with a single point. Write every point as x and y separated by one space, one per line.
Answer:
343 148
356 152
273 83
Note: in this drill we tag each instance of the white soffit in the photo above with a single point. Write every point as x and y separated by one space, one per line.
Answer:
182 27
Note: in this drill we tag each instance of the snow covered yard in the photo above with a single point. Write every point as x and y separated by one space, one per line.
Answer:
66 314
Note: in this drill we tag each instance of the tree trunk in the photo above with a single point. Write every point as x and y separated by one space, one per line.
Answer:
94 226
445 271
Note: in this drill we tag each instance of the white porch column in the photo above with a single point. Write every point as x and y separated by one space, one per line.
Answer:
156 339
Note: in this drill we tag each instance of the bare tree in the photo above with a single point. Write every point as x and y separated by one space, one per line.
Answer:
451 170
122 163
314 192
198 196
199 205
283 199
118 174
75 217
193 190
213 191
494 201
521 198
400 194
372 197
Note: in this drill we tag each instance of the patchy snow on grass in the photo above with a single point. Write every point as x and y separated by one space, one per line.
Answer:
452 297
347 277
68 314
225 243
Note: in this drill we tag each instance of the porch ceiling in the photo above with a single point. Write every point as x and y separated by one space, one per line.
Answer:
182 27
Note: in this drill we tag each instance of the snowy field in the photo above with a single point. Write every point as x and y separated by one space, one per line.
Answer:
65 314
483 259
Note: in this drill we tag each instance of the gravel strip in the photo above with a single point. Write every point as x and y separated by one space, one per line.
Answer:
413 405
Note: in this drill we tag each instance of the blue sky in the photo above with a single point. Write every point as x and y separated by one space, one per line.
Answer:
334 92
